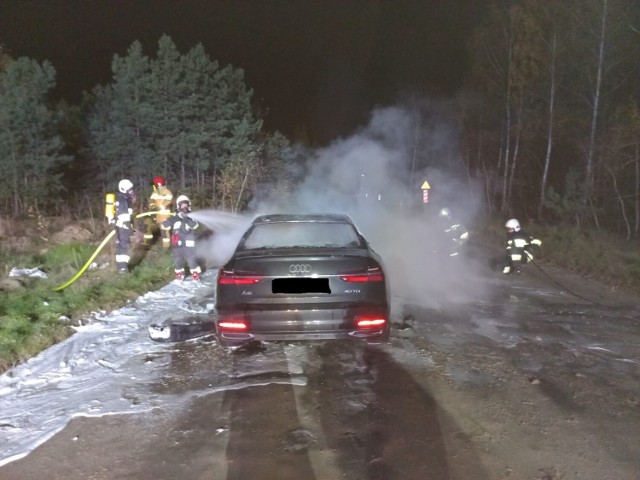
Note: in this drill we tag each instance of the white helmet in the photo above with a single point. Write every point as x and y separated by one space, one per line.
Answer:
125 185
444 213
182 199
513 224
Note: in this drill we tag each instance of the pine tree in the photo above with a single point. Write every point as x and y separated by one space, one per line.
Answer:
30 147
176 115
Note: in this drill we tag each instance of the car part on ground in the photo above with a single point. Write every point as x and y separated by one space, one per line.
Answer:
181 329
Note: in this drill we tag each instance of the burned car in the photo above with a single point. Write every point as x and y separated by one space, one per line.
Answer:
302 277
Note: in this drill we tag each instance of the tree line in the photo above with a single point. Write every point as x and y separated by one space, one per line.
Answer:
552 126
177 115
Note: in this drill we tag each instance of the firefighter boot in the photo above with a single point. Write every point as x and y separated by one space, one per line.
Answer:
195 276
180 276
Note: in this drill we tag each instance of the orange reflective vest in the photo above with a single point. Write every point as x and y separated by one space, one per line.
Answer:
160 201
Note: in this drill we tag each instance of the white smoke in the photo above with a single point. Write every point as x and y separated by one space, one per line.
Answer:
375 176
225 230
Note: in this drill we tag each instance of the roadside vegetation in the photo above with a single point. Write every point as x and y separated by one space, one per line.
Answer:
598 255
33 316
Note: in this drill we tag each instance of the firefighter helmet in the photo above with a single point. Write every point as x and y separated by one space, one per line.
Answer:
125 185
181 200
159 182
513 224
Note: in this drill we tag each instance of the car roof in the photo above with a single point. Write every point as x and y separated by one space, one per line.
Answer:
303 217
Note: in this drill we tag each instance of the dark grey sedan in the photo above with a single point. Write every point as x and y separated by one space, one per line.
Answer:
302 277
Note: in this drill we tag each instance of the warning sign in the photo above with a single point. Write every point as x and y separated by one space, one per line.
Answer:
425 192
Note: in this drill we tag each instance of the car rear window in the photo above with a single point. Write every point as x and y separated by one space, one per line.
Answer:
301 234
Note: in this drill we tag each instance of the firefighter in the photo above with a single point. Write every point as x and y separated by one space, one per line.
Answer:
160 201
124 202
453 232
520 247
182 229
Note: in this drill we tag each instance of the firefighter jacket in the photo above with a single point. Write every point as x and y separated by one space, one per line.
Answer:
124 210
521 246
183 230
160 201
457 232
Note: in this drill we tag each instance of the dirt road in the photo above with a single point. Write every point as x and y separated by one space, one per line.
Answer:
539 378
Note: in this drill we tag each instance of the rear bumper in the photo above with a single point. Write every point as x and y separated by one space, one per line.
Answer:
303 325
378 334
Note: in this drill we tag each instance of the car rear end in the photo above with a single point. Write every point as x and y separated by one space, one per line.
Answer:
305 292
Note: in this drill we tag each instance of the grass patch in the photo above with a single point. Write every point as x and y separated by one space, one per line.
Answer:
36 317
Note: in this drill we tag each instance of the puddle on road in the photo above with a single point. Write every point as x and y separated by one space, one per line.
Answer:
502 334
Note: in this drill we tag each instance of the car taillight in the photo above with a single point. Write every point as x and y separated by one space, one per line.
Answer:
228 277
370 322
373 274
235 325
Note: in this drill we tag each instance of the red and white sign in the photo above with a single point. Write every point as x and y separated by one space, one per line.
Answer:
425 192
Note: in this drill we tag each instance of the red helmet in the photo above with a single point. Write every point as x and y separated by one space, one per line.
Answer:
159 182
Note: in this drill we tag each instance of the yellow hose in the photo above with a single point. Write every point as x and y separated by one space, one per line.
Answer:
148 214
86 265
95 254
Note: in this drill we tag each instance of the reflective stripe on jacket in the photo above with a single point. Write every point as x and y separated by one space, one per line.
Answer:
182 230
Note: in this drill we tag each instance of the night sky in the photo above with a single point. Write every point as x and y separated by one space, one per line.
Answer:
319 66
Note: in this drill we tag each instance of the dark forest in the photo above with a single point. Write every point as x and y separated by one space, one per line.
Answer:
547 120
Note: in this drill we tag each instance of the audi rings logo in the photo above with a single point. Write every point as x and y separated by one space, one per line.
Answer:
299 268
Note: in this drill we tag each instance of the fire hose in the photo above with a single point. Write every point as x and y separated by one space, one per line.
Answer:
95 254
563 287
